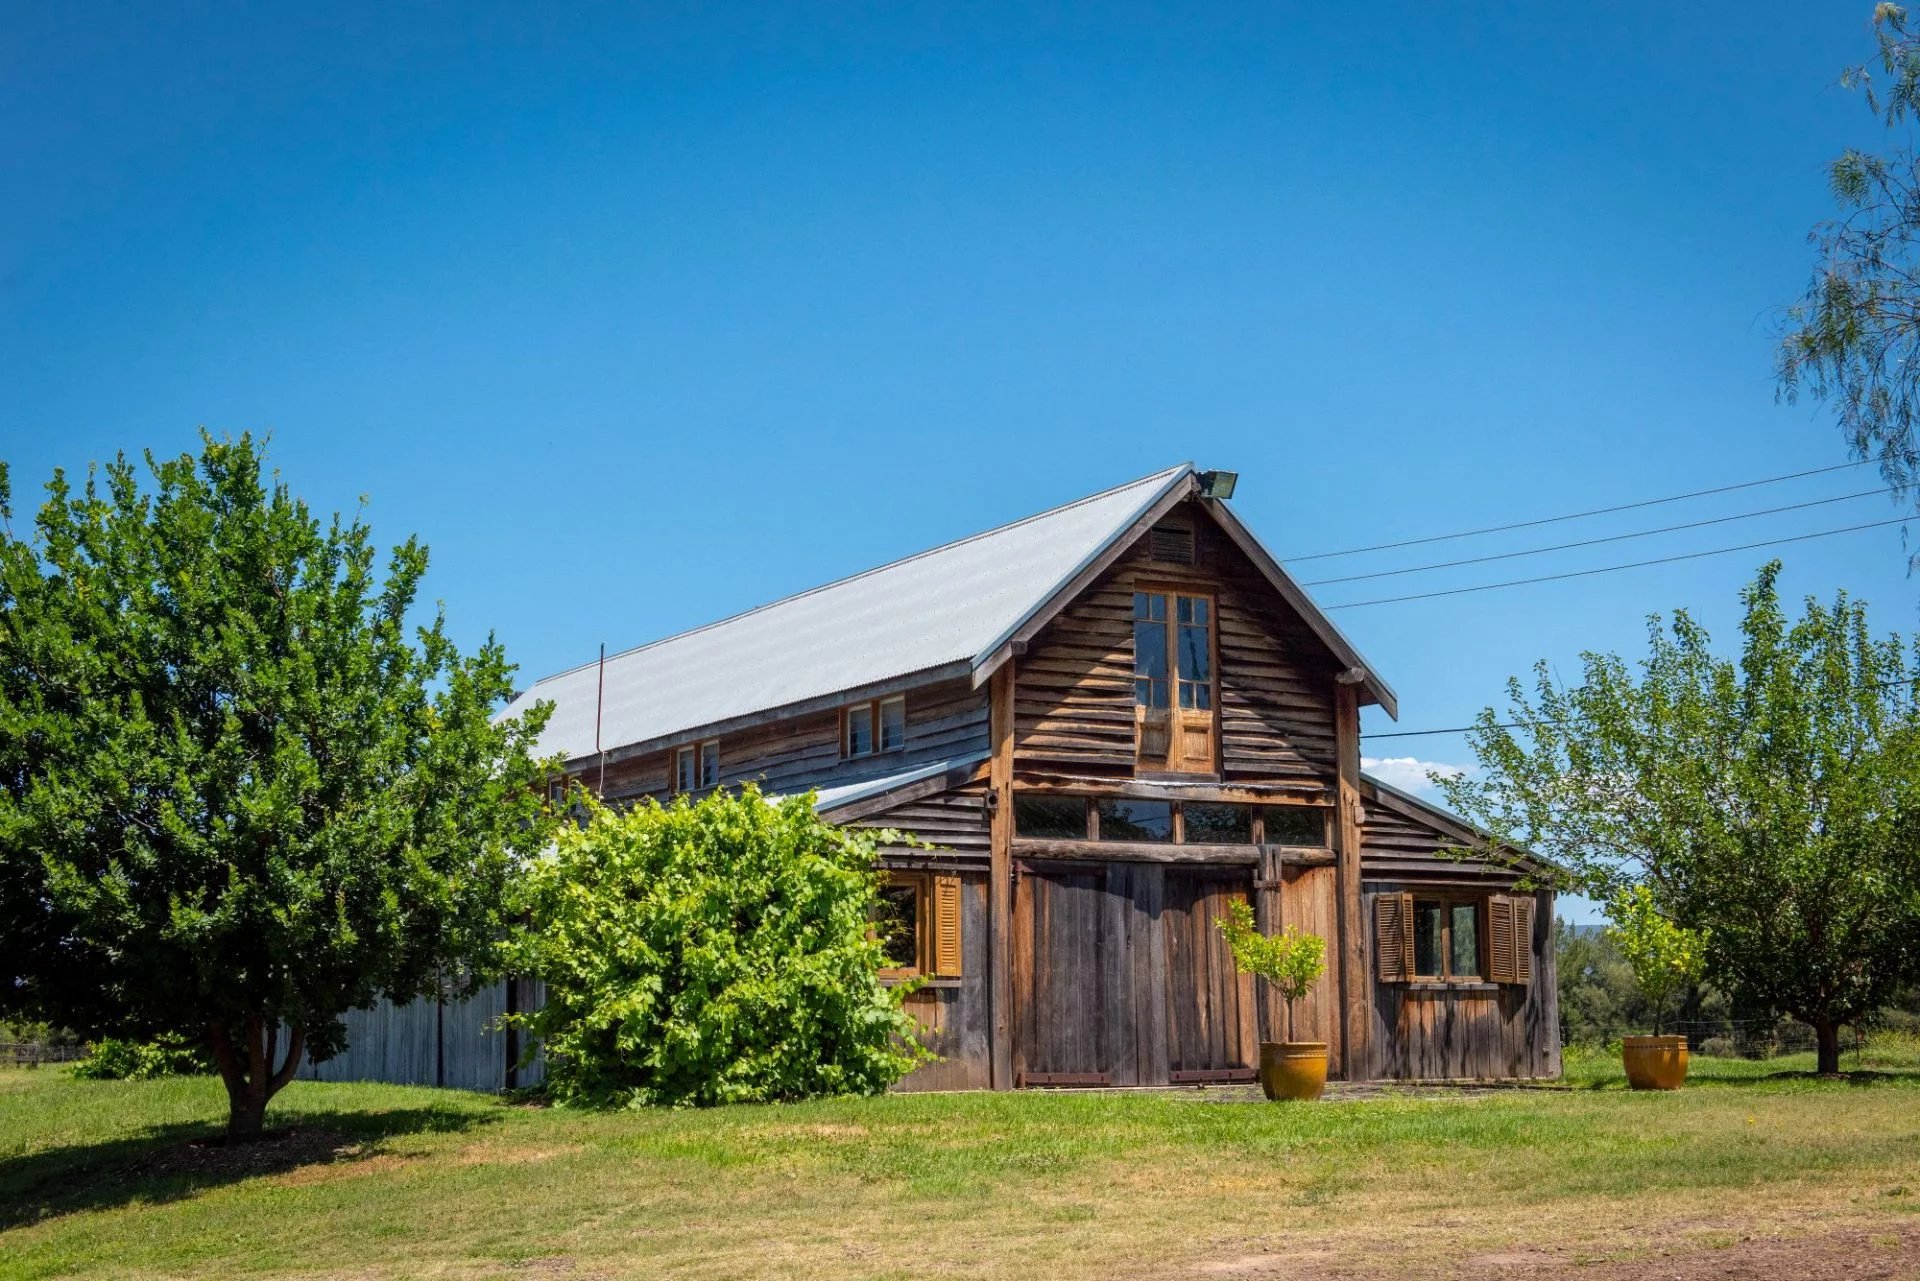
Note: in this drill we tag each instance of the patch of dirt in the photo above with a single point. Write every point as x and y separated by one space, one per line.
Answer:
1891 1253
500 1154
275 1152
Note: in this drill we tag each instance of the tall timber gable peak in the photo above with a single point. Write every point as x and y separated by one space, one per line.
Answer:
956 610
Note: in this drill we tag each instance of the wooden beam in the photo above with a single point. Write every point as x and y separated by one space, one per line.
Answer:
1168 790
918 790
1139 852
1355 991
1000 875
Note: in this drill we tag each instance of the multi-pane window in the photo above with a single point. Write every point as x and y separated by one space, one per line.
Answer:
916 921
697 766
879 725
1195 652
1446 938
1046 817
893 723
1172 651
1150 649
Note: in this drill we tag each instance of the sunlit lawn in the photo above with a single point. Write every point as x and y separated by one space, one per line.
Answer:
112 1180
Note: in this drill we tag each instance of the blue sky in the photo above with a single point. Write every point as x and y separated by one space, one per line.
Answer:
643 317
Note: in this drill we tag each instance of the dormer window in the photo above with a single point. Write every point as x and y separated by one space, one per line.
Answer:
873 727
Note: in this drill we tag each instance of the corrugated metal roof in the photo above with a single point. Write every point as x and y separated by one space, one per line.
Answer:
845 794
941 607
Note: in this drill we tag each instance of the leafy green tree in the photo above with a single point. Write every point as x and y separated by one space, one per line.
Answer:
1854 337
240 792
1292 961
1772 800
712 952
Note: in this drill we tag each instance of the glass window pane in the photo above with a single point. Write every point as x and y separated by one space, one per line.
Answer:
1150 663
1054 818
893 724
1466 941
1295 824
860 730
683 770
1122 820
1196 656
897 924
709 764
1429 919
1210 824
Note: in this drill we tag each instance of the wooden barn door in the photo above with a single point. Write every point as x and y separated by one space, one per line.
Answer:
1212 1021
1060 919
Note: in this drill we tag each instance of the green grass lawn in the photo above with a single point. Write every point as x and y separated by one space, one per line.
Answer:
116 1179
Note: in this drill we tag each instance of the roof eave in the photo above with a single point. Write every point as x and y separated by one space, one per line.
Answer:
1181 482
1372 687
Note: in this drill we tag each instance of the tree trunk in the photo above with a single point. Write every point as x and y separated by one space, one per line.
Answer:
1827 1036
250 1073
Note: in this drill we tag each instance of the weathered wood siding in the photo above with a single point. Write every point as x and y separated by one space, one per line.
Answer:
953 1013
945 720
955 822
1123 977
1482 1031
1073 696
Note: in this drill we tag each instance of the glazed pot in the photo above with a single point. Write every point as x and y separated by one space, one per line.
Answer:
1654 1062
1293 1069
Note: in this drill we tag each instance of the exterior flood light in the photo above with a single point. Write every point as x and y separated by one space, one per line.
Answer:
1218 484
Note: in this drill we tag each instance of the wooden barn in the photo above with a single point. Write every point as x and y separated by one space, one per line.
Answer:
1112 720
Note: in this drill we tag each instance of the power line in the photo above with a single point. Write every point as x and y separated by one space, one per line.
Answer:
1597 511
1595 542
1609 569
1912 682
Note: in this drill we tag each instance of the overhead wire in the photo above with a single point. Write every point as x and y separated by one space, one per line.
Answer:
1595 542
1610 569
1580 515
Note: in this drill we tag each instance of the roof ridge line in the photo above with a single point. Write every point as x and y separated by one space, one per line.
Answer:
842 581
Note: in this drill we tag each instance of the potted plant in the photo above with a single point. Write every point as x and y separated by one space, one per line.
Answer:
1292 962
1665 958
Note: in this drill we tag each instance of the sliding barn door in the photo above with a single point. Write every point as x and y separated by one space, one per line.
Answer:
1060 920
1212 1023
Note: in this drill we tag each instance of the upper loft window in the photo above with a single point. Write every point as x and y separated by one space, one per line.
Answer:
1172 650
696 766
1171 545
876 726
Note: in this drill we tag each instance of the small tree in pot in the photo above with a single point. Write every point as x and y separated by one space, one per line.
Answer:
1665 958
1292 961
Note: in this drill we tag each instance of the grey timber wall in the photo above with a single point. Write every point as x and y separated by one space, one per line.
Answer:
458 1044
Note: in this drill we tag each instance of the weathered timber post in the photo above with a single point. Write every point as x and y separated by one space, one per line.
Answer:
1000 875
1356 1013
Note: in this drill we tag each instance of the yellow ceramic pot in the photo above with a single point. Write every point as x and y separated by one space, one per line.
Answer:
1655 1062
1293 1069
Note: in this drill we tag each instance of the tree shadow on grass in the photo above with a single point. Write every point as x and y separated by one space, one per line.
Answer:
171 1162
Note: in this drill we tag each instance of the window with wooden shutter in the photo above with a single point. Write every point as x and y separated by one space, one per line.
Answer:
1500 933
1522 939
1393 937
946 926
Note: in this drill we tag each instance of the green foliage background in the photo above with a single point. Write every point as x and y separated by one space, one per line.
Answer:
711 952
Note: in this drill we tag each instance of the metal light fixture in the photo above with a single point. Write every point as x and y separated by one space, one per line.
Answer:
1218 484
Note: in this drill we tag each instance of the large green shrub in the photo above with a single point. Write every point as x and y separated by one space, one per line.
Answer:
114 1059
711 952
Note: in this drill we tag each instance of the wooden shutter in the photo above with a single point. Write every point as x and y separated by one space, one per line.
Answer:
1393 937
946 926
1500 939
1522 939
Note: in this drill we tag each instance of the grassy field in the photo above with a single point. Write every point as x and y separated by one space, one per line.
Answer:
1755 1169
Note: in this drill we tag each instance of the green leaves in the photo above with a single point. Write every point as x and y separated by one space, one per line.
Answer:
717 952
235 787
1290 960
1665 957
1771 800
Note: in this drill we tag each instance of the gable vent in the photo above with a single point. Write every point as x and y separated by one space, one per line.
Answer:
1171 544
